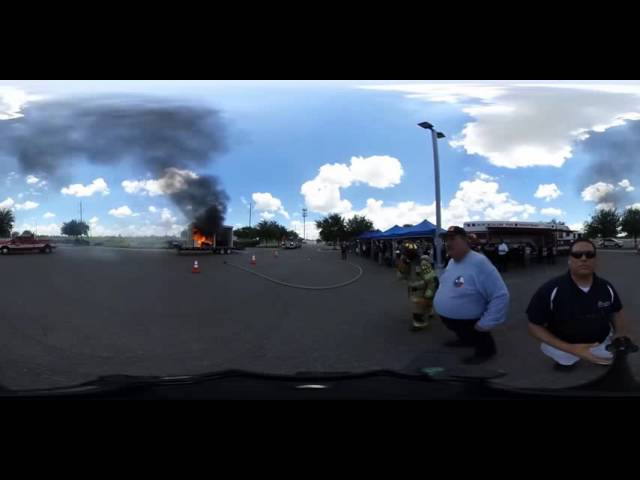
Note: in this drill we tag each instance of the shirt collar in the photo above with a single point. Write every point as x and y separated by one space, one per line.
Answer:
570 279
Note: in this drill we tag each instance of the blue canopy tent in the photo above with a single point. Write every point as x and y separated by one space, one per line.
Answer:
380 250
378 235
423 229
388 234
370 235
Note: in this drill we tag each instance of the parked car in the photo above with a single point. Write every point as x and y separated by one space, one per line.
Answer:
610 243
26 243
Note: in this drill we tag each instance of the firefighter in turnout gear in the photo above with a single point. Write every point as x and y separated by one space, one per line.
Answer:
408 260
421 292
421 284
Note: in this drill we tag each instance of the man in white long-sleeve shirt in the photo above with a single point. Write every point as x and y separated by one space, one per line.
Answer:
503 255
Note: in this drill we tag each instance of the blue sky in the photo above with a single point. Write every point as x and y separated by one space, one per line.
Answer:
353 147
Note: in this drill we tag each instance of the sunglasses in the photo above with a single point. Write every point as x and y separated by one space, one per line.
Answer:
579 255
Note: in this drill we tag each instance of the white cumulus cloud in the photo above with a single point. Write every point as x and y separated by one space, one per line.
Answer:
265 202
121 212
28 205
310 232
167 217
548 191
524 124
49 215
323 193
267 216
606 206
484 176
510 210
12 100
597 191
552 212
403 213
153 209
443 92
51 229
173 181
7 203
626 184
137 230
379 171
33 180
475 199
80 190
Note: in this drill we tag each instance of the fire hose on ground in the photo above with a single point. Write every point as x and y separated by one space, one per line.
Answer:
301 287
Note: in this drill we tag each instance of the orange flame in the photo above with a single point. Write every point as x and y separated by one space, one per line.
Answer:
199 239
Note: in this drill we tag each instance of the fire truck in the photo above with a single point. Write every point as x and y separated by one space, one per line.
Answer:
515 234
26 243
195 241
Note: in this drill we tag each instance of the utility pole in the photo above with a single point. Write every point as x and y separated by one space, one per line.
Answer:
80 212
304 223
250 208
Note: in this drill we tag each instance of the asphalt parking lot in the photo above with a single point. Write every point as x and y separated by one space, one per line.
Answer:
88 311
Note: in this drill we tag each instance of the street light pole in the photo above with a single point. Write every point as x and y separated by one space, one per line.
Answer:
304 223
435 136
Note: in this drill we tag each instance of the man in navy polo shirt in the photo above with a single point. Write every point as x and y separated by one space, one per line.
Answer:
576 315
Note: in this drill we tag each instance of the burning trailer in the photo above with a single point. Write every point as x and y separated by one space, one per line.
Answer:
198 240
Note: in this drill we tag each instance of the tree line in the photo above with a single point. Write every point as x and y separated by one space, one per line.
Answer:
610 223
73 228
332 228
266 230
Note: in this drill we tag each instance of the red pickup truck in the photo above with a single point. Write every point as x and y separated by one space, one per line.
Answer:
26 244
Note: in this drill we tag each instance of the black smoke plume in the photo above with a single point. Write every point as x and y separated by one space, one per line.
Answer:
614 155
158 136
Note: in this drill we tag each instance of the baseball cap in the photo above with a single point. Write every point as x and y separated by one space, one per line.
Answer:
453 231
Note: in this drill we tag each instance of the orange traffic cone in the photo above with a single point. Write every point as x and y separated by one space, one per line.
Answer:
253 259
196 267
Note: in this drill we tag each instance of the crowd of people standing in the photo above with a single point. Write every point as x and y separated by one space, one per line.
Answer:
574 316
